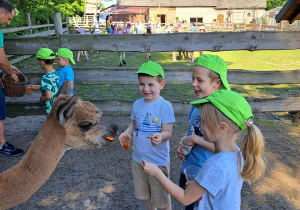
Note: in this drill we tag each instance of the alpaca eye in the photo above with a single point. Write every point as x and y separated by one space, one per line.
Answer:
85 126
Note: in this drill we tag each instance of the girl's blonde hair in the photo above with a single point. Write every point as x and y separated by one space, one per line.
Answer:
252 147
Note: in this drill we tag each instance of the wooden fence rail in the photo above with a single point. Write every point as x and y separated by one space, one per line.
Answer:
214 41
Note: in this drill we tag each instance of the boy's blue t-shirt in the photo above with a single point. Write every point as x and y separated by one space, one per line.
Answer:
198 154
66 73
220 176
149 118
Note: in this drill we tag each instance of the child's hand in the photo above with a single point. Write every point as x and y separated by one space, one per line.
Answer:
34 87
156 139
149 168
188 141
123 137
180 153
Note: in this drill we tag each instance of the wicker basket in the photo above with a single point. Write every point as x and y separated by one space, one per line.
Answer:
14 89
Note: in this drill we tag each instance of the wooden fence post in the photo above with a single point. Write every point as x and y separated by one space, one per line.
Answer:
67 24
57 24
48 23
297 114
29 22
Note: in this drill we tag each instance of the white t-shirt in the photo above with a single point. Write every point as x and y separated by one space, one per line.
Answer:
220 176
149 118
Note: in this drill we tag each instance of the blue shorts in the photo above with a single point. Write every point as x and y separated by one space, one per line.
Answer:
3 111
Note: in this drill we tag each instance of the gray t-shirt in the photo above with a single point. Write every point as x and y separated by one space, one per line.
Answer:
220 176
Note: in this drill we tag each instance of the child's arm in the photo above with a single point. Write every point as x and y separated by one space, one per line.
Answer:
164 135
35 87
127 133
194 139
192 193
47 96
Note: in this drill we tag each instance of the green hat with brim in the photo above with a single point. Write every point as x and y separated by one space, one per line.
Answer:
231 104
65 53
215 64
152 69
45 54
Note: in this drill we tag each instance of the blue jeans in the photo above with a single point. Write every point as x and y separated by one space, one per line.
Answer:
3 111
110 30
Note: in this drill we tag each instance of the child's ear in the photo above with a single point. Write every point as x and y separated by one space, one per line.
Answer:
162 84
223 127
218 83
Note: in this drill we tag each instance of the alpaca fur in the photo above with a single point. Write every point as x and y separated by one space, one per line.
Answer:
71 123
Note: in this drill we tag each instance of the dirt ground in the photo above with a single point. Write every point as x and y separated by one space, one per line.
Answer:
101 178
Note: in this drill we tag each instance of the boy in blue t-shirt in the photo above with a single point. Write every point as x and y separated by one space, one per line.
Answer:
65 72
49 81
209 75
151 128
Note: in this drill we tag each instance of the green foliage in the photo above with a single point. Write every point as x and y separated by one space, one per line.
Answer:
41 10
271 4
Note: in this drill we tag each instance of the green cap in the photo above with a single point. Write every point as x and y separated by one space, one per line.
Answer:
231 104
65 53
45 53
215 64
119 28
151 68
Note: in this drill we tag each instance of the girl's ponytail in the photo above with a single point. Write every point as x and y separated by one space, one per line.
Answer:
252 149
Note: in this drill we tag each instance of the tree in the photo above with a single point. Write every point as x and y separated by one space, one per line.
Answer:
271 4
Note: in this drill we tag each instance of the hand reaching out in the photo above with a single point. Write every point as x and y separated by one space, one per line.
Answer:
150 168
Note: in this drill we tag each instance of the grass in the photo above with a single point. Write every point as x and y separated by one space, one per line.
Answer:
267 123
265 60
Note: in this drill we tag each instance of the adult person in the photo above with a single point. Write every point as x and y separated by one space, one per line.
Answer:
7 13
109 25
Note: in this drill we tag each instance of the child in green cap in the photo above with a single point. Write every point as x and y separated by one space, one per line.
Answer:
49 82
224 114
151 128
209 75
65 72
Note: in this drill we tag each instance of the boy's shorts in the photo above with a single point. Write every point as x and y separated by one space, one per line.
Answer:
147 187
3 111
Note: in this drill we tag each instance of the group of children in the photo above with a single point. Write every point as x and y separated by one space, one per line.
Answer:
216 119
53 80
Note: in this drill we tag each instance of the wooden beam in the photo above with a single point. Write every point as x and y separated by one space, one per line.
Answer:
215 41
11 30
105 75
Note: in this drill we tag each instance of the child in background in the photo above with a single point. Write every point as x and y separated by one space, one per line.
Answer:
209 75
202 30
124 28
121 54
150 130
224 114
50 81
115 28
81 31
179 25
65 72
149 31
128 31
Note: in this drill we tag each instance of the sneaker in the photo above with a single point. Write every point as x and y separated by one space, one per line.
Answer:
124 62
129 53
120 64
87 60
10 151
78 61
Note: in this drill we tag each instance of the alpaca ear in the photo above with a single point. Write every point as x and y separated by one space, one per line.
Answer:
66 110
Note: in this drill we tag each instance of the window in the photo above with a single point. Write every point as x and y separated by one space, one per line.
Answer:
196 19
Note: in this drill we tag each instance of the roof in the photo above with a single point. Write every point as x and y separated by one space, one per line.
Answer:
290 11
194 3
129 10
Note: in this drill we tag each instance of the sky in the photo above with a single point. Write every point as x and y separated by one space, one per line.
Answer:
107 4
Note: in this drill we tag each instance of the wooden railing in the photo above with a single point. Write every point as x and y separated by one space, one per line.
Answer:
214 41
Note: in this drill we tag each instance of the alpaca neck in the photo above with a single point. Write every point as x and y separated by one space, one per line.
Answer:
19 183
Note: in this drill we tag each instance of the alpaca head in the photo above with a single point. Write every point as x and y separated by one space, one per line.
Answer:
81 122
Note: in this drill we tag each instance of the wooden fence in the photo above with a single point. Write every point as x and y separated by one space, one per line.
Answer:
214 41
